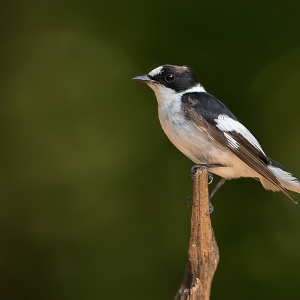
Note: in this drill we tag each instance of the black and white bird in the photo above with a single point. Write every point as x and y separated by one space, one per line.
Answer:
207 132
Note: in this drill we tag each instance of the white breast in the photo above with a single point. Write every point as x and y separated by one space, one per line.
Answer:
196 144
189 139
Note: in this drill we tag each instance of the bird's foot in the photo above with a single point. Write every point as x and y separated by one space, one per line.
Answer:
198 166
189 200
193 172
211 208
210 178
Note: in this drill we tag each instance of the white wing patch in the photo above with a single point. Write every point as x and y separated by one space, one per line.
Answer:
232 141
225 123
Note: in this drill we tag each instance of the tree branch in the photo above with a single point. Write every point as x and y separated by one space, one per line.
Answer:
203 253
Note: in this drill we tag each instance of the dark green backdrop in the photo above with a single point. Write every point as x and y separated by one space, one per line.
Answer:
92 192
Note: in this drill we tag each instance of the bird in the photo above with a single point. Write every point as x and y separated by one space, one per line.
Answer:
209 134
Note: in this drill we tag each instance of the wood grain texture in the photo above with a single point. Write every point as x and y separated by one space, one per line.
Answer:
203 253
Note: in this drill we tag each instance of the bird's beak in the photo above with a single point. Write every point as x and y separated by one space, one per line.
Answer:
144 78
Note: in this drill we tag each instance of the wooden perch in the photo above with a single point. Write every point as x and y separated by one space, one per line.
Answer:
203 253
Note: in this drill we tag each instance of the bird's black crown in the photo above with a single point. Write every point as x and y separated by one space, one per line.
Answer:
176 78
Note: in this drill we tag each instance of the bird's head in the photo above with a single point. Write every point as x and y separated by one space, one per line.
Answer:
168 80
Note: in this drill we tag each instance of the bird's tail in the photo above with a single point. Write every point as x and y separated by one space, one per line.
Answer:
286 179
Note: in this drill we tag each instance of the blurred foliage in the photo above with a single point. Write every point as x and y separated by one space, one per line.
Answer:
92 192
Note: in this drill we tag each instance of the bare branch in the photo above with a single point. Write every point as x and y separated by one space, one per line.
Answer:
203 253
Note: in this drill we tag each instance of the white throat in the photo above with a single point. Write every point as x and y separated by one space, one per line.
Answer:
164 94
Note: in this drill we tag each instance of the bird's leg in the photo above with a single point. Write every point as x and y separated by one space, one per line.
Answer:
220 183
194 169
210 180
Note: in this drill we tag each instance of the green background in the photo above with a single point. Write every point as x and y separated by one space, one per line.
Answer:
92 192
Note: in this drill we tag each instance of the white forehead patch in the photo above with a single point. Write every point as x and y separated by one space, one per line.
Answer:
156 71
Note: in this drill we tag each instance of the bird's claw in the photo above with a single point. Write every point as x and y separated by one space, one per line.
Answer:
210 178
198 166
188 200
194 171
211 209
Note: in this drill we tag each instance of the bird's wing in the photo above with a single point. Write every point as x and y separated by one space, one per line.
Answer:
232 135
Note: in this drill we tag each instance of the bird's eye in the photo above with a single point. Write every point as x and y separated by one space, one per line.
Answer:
170 78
